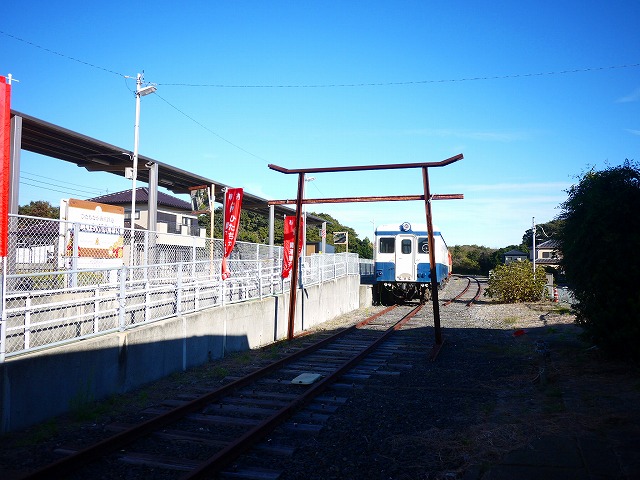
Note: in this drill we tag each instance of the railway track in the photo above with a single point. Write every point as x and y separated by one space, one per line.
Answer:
203 436
468 295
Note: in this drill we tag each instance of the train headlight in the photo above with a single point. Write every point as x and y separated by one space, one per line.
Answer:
406 226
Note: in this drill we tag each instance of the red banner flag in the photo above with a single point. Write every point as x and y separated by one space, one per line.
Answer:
232 208
5 161
289 243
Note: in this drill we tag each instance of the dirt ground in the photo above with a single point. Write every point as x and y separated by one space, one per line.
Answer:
505 375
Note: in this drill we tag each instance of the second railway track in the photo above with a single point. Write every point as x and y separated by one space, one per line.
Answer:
470 292
201 436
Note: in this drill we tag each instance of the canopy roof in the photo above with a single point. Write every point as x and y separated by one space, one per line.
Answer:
57 142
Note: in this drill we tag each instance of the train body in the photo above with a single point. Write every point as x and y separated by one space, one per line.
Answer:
402 269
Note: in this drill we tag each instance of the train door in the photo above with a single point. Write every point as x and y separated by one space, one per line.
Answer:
405 258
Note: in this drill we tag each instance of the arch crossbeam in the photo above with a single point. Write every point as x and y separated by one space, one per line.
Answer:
427 198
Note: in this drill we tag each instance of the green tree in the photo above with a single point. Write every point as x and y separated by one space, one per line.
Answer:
472 259
363 248
516 282
599 242
254 227
544 231
39 208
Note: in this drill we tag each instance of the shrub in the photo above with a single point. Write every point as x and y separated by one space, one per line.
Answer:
516 283
600 256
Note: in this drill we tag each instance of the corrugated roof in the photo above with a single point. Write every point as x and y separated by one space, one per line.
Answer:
54 141
549 244
514 253
142 196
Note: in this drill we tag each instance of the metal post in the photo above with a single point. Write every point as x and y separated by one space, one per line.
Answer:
152 222
533 234
75 255
136 140
432 258
122 297
3 307
211 211
179 289
14 165
294 268
272 222
134 175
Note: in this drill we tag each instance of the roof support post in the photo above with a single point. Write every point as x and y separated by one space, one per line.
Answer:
152 222
14 162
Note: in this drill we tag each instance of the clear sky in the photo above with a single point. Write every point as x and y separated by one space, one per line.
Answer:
533 94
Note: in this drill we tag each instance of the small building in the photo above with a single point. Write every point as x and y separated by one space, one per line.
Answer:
548 253
174 214
177 230
316 247
514 256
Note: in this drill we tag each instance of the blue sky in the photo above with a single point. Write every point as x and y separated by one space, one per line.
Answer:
531 93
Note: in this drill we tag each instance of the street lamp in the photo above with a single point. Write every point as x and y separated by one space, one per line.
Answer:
140 92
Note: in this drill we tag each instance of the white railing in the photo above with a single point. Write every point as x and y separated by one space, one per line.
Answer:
46 302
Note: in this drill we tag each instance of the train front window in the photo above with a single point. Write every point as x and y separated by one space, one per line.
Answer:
423 245
406 246
387 245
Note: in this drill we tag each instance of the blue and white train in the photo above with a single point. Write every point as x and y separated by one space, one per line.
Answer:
401 262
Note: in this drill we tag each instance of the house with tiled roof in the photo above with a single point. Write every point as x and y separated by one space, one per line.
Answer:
174 214
513 256
177 229
548 253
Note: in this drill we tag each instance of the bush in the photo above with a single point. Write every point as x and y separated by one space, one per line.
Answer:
600 256
516 283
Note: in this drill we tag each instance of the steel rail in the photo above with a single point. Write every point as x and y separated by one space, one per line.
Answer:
457 297
235 449
477 295
77 460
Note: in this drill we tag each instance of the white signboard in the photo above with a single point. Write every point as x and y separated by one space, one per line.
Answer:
100 233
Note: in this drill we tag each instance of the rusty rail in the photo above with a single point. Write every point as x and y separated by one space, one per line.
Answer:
82 458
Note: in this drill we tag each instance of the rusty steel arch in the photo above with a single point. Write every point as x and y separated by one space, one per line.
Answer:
427 197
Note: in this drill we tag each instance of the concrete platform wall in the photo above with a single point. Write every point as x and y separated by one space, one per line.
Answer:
40 386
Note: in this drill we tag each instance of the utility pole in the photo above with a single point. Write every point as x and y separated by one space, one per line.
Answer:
533 234
140 92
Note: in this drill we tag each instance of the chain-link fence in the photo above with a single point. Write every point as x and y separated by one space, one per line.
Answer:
57 290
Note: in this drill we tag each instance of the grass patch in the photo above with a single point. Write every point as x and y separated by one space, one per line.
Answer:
219 371
561 310
243 358
39 434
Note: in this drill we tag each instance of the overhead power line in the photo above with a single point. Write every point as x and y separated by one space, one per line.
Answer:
61 54
337 85
66 192
209 130
407 82
58 181
59 188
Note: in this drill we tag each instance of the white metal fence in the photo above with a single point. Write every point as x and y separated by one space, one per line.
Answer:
52 294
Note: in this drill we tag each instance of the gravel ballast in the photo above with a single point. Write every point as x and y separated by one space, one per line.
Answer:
505 376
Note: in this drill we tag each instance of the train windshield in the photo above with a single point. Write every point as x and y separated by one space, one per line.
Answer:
423 245
406 246
387 245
